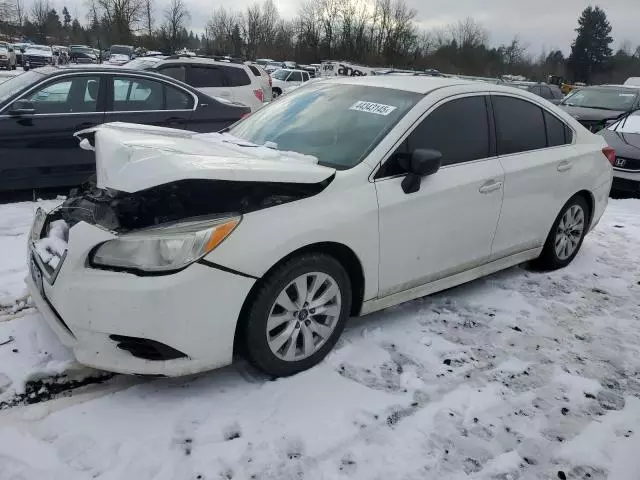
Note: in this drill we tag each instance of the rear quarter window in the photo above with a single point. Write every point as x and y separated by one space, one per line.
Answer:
236 76
254 70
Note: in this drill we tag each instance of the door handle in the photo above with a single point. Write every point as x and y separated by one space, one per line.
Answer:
490 186
565 166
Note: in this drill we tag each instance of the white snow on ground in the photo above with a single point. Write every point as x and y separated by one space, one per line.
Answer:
522 375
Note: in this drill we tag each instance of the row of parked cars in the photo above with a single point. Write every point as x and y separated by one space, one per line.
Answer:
241 87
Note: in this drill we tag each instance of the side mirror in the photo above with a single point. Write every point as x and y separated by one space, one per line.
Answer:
420 163
22 107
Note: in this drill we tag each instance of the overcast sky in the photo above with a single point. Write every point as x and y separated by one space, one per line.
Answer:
539 24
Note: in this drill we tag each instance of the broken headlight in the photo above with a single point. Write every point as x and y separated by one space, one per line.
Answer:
165 248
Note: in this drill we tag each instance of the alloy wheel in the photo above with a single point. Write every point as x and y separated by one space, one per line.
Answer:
303 316
569 232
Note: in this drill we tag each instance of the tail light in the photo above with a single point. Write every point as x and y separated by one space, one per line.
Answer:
244 115
258 93
610 153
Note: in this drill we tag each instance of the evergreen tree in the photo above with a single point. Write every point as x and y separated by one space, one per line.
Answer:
66 18
591 49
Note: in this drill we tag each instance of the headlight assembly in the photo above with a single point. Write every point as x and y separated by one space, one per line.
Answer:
165 248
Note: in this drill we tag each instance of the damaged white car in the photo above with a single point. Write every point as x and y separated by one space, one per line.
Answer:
345 197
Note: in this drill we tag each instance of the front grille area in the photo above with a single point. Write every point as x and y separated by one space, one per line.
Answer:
35 60
625 163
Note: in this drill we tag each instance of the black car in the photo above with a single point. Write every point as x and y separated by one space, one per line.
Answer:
544 90
40 111
85 55
624 137
594 107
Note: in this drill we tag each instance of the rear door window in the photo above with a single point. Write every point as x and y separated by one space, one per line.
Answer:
205 76
177 99
137 94
173 71
295 77
520 125
236 76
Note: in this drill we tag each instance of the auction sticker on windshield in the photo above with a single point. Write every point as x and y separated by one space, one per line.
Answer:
370 107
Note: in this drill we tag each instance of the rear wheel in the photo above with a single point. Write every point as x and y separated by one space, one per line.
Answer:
276 93
566 235
298 314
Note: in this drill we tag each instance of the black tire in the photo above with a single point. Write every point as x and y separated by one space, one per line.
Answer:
14 67
255 328
275 93
549 258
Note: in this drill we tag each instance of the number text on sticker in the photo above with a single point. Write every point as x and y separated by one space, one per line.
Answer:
370 107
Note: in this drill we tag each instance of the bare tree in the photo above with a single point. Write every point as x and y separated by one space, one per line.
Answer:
120 16
176 17
148 16
251 22
220 28
468 33
39 16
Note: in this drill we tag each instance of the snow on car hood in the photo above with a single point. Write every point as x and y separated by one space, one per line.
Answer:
38 53
132 157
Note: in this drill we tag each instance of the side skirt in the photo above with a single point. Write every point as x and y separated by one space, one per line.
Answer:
376 304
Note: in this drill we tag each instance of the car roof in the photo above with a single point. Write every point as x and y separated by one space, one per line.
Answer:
82 68
203 60
417 84
629 88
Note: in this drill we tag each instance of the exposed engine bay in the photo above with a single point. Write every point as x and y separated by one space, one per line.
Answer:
122 212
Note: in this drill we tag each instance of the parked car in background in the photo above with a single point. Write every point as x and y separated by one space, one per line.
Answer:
37 56
544 90
313 71
633 82
19 49
124 50
82 54
624 137
118 59
264 61
593 107
265 80
40 111
7 56
284 79
278 231
273 66
144 63
231 80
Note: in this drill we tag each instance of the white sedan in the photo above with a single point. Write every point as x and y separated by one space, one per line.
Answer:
345 197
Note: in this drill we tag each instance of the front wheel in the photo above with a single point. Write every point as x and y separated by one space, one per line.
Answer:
298 314
566 235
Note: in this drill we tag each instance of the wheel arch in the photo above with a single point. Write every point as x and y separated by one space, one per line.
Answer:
591 202
342 253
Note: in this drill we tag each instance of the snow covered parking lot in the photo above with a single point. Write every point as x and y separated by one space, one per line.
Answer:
522 375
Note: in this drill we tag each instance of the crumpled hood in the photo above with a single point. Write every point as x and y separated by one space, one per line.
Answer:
591 114
132 157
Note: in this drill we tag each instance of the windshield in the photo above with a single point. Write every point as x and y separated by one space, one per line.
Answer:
121 50
336 123
142 63
602 98
9 87
629 124
280 74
